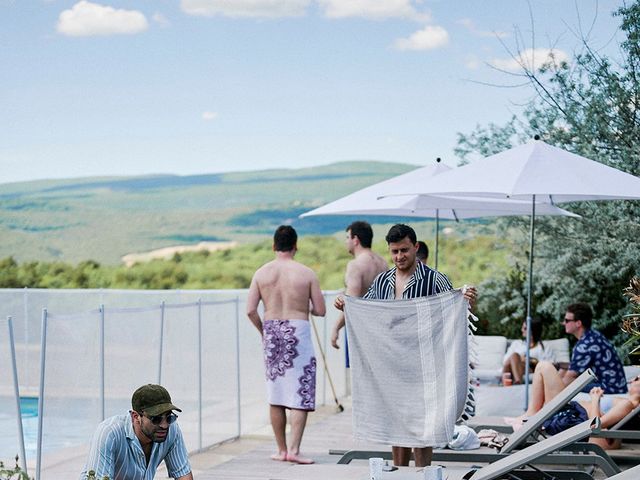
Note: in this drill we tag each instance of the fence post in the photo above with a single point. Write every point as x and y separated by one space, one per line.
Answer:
102 380
43 348
161 343
25 305
324 349
238 391
16 389
200 374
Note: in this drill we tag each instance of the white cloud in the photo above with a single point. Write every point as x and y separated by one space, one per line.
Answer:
471 26
374 9
87 19
472 63
160 19
208 116
429 38
246 8
530 58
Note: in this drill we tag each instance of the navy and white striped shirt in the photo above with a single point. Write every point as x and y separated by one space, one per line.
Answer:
423 282
116 451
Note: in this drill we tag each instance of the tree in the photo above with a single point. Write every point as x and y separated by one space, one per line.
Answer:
8 272
590 107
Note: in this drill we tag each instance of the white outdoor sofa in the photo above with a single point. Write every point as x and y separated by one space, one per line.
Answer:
490 350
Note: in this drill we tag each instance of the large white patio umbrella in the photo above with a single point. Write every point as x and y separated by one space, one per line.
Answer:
535 172
367 202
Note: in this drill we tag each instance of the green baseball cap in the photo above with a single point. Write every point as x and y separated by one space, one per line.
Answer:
152 400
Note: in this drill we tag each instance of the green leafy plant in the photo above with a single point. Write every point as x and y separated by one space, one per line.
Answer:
91 475
631 321
585 107
15 473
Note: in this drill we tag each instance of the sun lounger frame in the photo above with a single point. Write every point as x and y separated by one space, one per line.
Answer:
562 458
538 453
631 474
533 423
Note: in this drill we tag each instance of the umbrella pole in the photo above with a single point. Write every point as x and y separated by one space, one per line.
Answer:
437 233
529 295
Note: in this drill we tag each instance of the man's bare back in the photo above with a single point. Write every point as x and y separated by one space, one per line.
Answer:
361 271
287 289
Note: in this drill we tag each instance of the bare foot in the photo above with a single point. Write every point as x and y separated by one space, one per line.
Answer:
515 422
297 458
280 456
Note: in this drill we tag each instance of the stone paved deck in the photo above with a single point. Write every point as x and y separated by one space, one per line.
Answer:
248 457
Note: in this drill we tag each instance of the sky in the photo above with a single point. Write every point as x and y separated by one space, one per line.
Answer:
112 88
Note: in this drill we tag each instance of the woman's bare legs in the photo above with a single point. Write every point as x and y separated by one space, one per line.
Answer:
515 366
546 384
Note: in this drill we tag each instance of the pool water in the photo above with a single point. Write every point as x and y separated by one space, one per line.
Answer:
55 437
29 407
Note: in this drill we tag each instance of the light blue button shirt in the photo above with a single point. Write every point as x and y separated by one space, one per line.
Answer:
116 451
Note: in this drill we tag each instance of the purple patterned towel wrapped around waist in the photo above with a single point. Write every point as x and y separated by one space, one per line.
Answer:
290 364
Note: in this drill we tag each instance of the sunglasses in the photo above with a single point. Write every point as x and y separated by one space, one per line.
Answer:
633 380
157 419
566 320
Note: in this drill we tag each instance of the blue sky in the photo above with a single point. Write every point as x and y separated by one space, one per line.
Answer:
204 86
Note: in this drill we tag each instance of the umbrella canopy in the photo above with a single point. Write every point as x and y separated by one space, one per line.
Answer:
538 169
368 201
536 172
431 206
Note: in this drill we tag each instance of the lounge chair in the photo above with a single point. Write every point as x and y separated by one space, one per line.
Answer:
623 454
598 456
533 423
630 474
537 450
509 465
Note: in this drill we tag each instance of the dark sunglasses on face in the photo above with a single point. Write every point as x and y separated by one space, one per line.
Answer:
567 320
157 419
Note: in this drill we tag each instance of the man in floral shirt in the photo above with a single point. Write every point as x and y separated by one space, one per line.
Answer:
592 351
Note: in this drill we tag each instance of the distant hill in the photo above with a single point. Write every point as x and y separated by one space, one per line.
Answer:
105 218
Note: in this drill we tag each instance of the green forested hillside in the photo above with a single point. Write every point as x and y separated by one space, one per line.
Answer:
73 233
466 260
103 219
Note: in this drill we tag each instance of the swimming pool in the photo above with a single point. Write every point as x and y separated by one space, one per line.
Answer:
9 439
9 442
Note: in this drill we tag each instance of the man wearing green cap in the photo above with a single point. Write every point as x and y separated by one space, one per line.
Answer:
131 446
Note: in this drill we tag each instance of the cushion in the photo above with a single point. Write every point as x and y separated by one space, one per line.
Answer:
489 351
560 347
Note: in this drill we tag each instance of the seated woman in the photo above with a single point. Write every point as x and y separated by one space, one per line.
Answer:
611 410
547 383
514 359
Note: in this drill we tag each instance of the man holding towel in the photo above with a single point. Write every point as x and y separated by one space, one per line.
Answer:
289 291
409 278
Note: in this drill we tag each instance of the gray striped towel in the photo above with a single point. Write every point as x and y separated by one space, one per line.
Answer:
409 368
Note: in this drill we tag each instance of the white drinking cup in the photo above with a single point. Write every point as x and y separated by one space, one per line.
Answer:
375 468
433 472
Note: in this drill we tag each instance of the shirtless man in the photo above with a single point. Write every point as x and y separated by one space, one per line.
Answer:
288 291
365 266
409 278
